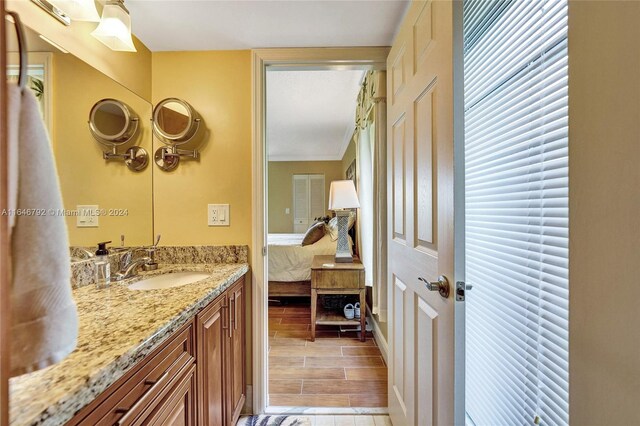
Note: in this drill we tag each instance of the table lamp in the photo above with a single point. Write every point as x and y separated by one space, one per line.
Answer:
342 197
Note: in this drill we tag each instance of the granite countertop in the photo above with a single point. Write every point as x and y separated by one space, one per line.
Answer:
118 327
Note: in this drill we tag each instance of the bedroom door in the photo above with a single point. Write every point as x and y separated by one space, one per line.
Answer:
420 189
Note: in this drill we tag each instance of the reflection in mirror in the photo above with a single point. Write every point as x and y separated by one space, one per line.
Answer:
67 89
113 123
111 120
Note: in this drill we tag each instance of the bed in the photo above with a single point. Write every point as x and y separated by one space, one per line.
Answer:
290 263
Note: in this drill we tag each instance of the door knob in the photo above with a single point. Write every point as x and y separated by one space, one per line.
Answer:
441 286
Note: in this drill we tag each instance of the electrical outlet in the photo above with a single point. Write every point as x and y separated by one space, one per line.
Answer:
287 210
87 216
218 214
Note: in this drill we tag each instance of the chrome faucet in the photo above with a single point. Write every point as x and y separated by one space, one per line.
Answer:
86 252
130 270
128 266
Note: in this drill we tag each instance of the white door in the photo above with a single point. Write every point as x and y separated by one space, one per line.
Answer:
300 203
420 194
308 201
317 207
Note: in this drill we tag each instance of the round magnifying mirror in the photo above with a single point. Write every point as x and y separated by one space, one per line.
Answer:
112 122
175 121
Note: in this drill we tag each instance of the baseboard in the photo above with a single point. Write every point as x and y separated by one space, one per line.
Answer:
380 340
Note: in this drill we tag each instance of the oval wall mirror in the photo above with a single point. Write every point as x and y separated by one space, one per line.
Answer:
175 122
112 122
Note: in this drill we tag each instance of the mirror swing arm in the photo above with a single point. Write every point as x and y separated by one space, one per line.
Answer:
172 150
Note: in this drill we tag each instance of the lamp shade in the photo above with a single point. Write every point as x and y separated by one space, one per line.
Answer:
342 195
78 10
114 29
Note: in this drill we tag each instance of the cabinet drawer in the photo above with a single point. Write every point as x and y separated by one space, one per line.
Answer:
338 279
151 381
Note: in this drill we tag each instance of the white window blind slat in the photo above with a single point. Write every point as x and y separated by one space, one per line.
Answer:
516 211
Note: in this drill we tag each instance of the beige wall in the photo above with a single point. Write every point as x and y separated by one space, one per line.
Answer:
604 212
133 70
218 86
85 177
349 156
280 192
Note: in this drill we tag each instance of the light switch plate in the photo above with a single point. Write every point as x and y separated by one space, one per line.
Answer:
87 216
218 214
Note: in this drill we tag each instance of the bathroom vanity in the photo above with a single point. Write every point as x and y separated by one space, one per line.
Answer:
197 372
170 356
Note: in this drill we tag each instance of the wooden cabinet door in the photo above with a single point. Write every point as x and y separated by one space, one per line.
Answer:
179 406
212 337
236 361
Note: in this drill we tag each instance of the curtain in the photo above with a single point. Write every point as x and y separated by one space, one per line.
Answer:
371 135
365 193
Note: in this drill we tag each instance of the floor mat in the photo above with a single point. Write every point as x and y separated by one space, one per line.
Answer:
274 421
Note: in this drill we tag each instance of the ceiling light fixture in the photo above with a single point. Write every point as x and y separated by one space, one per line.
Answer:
56 12
114 29
78 10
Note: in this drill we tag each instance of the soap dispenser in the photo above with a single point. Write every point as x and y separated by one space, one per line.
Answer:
103 267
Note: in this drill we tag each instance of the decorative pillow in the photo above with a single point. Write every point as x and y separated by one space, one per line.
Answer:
314 234
332 226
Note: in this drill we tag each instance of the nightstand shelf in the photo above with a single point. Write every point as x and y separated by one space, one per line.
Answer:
329 277
332 317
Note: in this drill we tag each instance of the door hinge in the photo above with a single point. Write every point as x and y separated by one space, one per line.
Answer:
461 290
264 251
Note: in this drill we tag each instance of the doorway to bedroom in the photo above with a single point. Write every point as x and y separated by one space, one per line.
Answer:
324 146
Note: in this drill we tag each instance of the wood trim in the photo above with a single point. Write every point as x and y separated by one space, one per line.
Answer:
289 289
293 58
237 301
5 259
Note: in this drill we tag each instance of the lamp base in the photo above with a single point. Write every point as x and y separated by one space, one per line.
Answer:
343 251
344 258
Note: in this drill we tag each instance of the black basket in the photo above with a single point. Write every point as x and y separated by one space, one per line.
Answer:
333 301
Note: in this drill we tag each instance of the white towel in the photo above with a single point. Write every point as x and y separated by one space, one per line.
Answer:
44 318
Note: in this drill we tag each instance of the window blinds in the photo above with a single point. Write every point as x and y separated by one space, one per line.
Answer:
516 184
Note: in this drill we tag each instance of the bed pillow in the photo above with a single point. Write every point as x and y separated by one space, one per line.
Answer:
314 234
332 226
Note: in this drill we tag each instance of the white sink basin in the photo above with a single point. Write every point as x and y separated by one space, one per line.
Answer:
173 279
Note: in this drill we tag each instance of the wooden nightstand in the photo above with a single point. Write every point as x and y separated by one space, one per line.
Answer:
329 277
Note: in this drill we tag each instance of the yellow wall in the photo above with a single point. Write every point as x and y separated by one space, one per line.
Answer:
281 188
85 177
133 70
218 85
604 211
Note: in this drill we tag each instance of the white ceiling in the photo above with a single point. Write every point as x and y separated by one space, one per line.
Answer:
310 114
169 25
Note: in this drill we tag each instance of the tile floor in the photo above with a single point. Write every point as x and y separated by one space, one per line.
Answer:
337 370
346 420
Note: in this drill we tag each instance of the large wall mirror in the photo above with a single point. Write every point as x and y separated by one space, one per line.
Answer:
67 89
